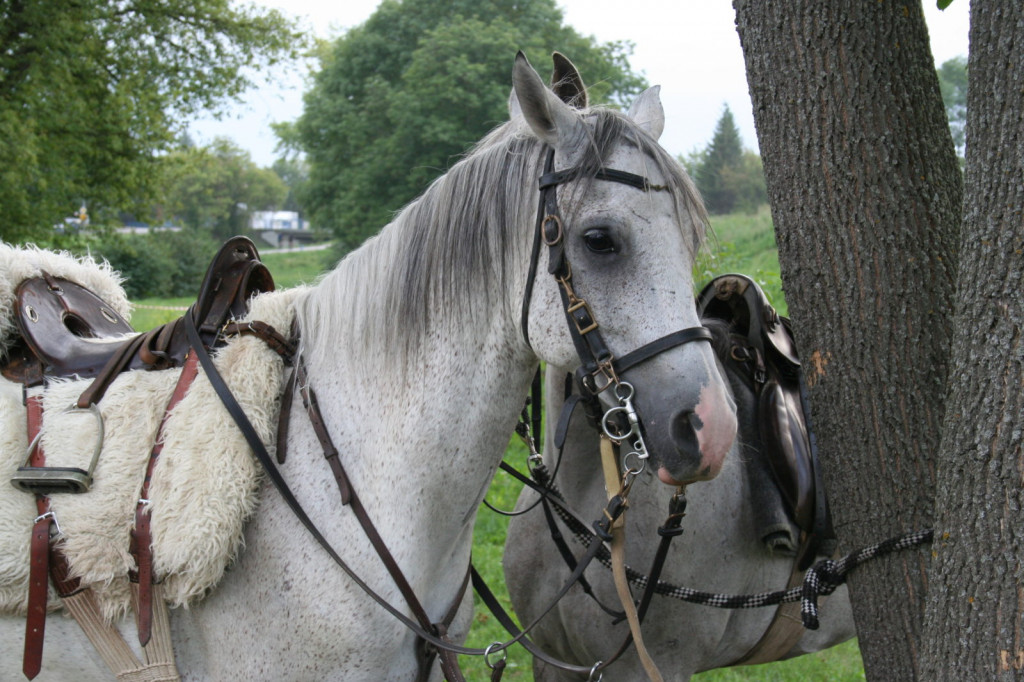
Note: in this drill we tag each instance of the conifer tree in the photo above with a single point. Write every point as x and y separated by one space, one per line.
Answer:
724 154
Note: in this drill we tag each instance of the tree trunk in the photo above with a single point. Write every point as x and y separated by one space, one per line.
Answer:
975 604
866 194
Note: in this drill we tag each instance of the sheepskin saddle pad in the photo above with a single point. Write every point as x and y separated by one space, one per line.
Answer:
205 483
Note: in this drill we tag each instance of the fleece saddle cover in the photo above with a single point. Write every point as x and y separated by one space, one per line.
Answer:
205 484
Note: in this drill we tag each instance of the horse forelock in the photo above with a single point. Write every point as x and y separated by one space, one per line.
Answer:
452 254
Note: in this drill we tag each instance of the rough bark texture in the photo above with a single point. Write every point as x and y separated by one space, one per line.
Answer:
866 196
973 624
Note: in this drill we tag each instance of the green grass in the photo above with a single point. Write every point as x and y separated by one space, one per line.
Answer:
839 664
745 243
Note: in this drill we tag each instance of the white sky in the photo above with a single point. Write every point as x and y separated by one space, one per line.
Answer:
689 47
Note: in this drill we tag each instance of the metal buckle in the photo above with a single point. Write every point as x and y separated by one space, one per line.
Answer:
589 381
51 480
582 304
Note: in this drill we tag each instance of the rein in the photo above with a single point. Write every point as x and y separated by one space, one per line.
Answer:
425 630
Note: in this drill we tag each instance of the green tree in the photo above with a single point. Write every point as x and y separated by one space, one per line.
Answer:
294 173
215 188
91 89
722 166
953 85
399 97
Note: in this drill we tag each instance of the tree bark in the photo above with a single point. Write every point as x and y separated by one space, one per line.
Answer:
973 624
866 193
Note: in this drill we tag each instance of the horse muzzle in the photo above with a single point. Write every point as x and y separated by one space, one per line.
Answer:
690 443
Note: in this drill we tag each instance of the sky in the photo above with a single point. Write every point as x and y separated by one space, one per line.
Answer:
689 47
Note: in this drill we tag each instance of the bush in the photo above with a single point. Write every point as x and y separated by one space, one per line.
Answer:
162 263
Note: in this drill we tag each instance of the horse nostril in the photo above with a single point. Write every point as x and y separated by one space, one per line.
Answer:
685 425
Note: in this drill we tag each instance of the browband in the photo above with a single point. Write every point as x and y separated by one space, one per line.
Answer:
622 177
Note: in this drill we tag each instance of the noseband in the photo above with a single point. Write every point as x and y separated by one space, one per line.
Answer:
599 368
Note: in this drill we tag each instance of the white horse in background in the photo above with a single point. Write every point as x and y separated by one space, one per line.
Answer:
737 540
414 348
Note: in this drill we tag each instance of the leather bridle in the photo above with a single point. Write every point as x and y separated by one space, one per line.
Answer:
599 368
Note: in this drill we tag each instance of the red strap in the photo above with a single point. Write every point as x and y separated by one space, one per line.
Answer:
38 585
39 553
142 538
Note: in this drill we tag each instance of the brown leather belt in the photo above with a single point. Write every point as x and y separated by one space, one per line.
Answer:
142 538
46 559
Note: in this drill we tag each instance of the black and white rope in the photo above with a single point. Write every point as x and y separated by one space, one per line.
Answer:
821 579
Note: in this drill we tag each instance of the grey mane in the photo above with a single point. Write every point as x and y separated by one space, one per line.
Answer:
451 254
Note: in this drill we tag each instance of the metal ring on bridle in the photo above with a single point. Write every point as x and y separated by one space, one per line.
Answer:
593 670
633 471
628 396
604 424
544 233
488 652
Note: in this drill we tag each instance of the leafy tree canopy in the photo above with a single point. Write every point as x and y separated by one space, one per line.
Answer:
214 189
397 98
90 90
953 85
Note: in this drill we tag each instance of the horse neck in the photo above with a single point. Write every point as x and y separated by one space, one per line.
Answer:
428 423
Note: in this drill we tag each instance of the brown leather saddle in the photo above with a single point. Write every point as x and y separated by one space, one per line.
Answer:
762 344
68 331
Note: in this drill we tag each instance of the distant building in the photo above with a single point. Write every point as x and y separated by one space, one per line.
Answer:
279 221
281 229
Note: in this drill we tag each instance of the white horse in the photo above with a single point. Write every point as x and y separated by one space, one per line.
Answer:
414 347
737 539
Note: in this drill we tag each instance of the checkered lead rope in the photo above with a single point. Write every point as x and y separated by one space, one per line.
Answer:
821 579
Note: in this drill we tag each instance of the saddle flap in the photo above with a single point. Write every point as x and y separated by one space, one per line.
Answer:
764 348
68 327
784 439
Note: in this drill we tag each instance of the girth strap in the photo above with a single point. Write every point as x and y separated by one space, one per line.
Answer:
39 569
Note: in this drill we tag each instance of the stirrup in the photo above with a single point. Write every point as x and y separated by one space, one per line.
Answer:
51 480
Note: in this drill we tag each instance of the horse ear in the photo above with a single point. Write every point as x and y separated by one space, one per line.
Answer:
551 119
567 82
648 113
514 110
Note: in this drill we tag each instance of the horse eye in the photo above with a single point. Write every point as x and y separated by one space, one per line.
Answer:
599 241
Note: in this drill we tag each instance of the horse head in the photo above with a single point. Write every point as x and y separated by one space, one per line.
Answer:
622 223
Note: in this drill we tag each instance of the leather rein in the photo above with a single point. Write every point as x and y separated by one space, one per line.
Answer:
599 371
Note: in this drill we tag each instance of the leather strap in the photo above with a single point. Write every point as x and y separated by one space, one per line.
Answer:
783 632
610 466
260 451
646 352
142 538
351 499
39 582
39 552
